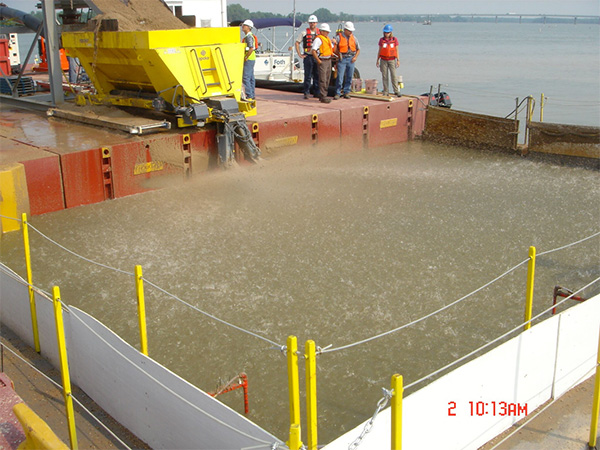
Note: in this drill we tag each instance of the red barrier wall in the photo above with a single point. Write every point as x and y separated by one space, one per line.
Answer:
135 165
44 185
388 123
82 177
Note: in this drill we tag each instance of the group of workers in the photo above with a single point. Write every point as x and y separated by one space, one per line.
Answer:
319 52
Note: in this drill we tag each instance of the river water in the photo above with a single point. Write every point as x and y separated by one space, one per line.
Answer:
338 247
485 66
331 247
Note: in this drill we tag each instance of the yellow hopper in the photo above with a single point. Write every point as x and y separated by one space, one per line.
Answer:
178 71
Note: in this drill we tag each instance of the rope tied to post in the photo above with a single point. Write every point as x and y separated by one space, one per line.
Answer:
281 348
323 349
381 404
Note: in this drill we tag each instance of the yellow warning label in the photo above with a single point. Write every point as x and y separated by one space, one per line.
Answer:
286 141
148 167
388 123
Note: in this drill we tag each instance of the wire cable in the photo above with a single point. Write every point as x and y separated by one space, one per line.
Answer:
569 245
344 347
453 363
251 333
10 218
91 261
66 307
72 396
332 349
15 276
372 338
168 389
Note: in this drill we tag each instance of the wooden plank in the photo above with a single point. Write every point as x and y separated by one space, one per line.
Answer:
126 122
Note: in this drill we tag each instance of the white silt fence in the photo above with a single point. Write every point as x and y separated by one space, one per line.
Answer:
537 365
167 412
159 407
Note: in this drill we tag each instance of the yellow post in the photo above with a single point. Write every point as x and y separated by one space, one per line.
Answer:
64 366
294 387
311 395
32 307
139 287
596 403
542 108
529 292
397 394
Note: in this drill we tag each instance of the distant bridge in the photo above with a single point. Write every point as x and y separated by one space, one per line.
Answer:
514 16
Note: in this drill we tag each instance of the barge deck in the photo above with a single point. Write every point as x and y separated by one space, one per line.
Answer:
69 164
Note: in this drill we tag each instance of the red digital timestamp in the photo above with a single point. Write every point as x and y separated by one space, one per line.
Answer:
493 408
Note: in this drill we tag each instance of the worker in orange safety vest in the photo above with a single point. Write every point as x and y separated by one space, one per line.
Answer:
348 50
387 60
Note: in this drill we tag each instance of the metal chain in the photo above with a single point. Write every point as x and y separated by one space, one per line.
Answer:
382 403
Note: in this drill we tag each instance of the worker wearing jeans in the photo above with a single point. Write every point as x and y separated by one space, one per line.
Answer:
348 50
249 59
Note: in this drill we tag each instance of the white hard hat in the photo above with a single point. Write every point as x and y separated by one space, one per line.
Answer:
349 26
312 18
249 23
325 27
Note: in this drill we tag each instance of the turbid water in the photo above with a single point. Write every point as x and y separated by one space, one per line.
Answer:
334 247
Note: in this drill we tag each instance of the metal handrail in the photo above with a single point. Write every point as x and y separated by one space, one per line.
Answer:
218 49
201 74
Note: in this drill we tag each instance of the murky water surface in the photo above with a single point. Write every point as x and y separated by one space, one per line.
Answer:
329 247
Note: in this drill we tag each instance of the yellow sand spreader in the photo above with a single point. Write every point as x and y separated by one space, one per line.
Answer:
195 74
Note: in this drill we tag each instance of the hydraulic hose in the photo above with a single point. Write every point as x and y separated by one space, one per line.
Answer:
28 20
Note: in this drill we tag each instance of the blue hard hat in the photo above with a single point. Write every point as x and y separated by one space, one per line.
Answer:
387 29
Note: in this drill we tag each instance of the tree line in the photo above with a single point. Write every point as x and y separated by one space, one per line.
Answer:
238 12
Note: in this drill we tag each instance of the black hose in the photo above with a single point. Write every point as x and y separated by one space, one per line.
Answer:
28 20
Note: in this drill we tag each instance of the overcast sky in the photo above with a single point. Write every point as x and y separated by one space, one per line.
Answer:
571 7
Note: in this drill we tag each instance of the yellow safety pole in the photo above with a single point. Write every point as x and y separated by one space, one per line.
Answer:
32 307
311 395
64 366
294 387
139 287
397 394
529 292
542 108
596 403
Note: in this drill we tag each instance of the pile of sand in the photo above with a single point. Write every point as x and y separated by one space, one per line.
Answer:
137 15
